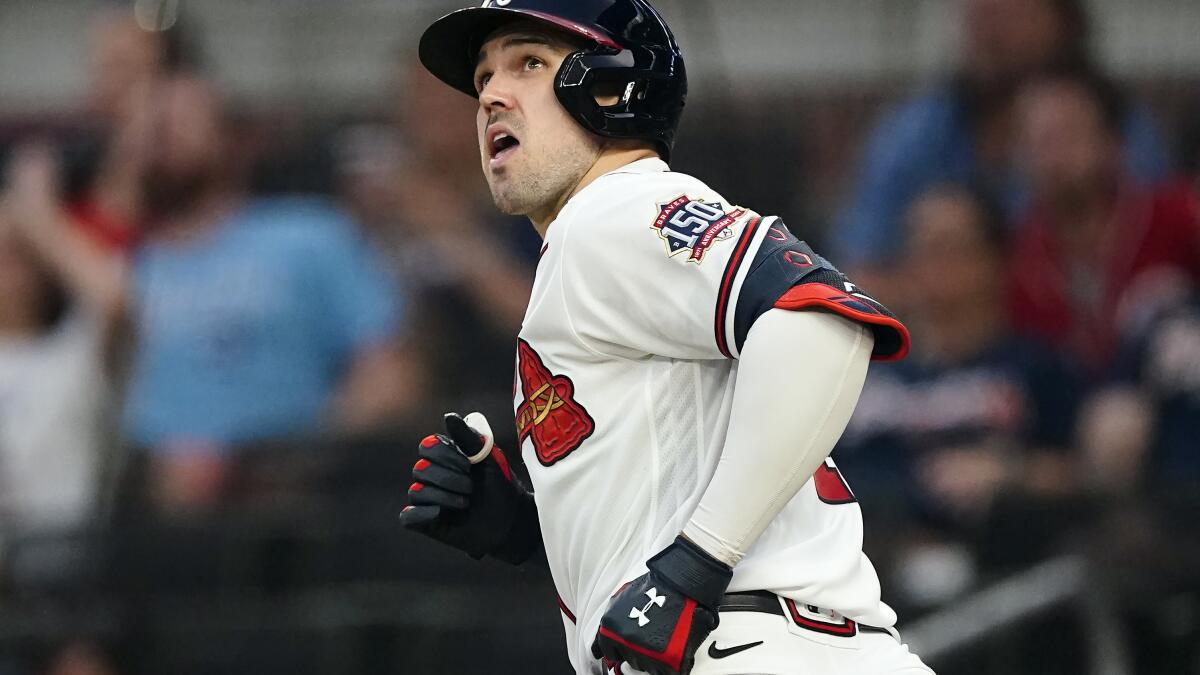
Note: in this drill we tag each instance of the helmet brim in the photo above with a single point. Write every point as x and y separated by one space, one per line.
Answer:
450 47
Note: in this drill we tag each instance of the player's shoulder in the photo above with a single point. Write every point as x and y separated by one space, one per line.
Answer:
645 207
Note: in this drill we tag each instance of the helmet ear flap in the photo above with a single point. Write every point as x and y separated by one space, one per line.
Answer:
648 100
613 93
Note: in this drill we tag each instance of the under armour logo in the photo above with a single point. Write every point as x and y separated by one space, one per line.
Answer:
857 292
640 614
502 3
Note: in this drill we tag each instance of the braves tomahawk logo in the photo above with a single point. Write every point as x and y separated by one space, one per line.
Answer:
693 225
550 414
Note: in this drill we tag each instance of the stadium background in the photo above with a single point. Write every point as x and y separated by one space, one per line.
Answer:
1049 529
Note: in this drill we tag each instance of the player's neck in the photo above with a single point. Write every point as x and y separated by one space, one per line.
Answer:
609 160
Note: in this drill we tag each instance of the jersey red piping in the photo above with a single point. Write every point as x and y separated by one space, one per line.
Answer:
845 629
726 290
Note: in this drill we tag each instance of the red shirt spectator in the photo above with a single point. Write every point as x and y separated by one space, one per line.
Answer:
1071 301
1091 230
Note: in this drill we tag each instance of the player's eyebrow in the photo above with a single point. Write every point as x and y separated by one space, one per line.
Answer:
522 39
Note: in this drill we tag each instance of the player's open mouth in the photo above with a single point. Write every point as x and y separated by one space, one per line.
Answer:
502 144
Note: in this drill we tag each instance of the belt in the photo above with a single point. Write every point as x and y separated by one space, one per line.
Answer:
769 603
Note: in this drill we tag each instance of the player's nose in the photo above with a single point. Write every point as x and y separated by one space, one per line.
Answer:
496 96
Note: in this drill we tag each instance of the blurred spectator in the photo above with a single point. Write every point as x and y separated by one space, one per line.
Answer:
273 307
1159 366
370 165
1092 229
127 51
419 188
52 397
963 130
1142 470
437 124
253 319
127 60
975 415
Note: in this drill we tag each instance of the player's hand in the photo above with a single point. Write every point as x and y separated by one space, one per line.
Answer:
476 508
657 622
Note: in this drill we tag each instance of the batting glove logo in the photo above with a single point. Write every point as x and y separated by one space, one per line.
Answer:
666 643
640 614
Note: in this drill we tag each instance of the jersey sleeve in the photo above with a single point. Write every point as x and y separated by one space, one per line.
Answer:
786 273
684 274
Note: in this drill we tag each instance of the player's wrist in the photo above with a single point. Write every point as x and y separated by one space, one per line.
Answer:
524 538
691 570
712 544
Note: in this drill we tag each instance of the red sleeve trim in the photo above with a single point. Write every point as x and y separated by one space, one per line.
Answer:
726 289
892 340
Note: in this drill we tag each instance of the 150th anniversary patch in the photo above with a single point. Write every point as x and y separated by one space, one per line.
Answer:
693 225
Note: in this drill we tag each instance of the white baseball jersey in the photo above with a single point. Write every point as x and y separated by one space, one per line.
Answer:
647 286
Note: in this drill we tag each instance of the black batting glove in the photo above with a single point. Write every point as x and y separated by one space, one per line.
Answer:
657 622
477 508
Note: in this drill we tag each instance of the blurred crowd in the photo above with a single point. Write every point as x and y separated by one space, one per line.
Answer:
184 281
1028 220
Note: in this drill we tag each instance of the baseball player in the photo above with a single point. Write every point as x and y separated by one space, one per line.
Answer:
683 371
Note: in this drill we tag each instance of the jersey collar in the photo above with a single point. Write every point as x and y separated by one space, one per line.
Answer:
641 166
648 165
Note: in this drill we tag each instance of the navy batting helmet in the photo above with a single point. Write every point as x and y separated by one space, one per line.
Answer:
629 47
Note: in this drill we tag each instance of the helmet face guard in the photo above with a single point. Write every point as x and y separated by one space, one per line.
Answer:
630 48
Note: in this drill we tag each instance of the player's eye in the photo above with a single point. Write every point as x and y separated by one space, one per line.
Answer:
482 81
533 63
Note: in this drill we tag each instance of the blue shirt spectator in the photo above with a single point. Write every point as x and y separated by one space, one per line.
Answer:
929 141
246 330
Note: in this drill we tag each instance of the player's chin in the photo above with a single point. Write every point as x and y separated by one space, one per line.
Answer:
510 209
506 204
